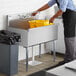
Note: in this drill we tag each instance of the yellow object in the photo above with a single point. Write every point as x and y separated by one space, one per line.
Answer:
42 23
32 24
39 23
51 23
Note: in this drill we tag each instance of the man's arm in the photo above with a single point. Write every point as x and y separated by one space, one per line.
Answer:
59 13
63 5
46 6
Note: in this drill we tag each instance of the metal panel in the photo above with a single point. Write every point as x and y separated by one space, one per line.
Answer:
8 59
36 35
14 59
4 58
42 34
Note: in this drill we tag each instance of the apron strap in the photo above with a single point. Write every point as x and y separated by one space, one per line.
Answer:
57 3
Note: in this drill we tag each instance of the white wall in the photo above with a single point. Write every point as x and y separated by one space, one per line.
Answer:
21 6
18 6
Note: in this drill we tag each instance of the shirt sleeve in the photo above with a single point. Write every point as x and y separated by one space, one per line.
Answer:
63 4
51 2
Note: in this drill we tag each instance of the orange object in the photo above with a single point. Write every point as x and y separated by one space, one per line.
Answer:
42 23
32 24
39 23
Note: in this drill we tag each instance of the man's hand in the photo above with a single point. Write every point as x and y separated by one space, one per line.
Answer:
34 13
59 13
51 20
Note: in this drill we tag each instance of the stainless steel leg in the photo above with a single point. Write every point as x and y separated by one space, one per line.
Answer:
26 59
33 55
33 62
39 50
54 52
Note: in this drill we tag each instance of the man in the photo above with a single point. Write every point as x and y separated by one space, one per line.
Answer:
68 12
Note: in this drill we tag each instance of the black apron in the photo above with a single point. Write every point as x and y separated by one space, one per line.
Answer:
69 22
